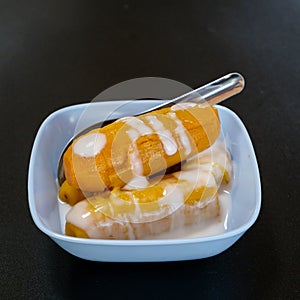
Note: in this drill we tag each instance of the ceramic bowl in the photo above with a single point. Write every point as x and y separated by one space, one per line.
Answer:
59 127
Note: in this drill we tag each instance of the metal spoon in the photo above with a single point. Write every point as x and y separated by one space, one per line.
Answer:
211 93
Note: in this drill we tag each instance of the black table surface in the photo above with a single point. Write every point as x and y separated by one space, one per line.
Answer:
58 53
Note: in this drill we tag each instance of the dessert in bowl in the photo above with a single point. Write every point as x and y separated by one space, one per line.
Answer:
157 228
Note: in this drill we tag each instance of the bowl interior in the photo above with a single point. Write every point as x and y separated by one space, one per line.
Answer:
60 126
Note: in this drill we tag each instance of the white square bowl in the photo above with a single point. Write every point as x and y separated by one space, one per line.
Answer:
54 134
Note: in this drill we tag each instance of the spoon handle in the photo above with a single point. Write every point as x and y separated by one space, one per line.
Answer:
218 90
212 93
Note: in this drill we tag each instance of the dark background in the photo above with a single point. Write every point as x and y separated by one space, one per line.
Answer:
58 53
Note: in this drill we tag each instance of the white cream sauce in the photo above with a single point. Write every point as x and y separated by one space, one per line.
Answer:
181 133
134 155
192 173
137 183
182 106
164 135
137 128
63 209
210 227
138 125
90 145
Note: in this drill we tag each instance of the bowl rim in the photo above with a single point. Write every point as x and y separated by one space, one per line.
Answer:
127 243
